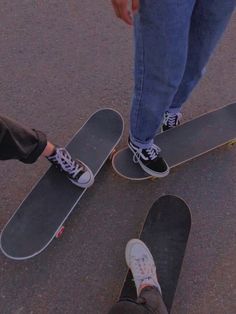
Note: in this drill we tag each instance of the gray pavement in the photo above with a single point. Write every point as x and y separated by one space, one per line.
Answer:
59 62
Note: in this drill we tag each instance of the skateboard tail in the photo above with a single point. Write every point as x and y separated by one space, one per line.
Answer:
174 219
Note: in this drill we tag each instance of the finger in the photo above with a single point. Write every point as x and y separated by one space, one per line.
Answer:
122 11
126 16
125 13
135 6
116 8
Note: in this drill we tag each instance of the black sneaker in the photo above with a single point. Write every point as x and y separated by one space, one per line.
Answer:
76 171
150 160
171 120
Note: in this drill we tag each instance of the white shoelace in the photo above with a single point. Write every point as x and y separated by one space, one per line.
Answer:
143 271
172 119
152 152
63 158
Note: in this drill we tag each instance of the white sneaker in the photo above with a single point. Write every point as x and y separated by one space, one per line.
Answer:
76 171
140 261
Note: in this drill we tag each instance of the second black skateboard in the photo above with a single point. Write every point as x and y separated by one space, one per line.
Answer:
165 232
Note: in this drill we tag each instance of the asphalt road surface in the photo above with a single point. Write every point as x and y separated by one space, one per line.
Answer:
59 62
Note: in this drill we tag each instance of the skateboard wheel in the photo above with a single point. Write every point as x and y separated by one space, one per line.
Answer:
112 154
153 178
59 232
233 142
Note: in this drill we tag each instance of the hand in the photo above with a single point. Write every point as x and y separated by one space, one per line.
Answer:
122 10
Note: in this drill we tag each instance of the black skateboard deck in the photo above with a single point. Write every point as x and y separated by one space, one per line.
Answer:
165 232
42 213
185 142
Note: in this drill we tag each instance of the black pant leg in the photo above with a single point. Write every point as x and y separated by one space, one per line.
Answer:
149 301
19 142
151 298
128 307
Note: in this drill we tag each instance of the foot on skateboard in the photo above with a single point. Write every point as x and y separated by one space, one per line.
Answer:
183 143
165 233
43 212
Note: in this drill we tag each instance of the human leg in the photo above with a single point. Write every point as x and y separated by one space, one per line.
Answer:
141 263
27 145
161 42
149 301
208 23
20 142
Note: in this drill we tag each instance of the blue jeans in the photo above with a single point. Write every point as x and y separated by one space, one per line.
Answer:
173 42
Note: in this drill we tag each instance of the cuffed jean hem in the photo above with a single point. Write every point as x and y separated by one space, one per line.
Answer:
173 111
141 145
